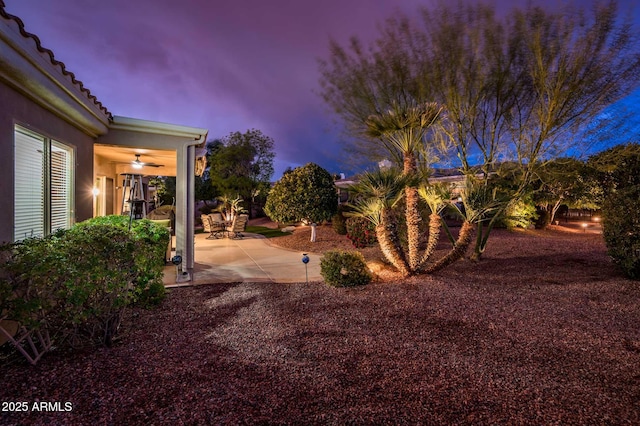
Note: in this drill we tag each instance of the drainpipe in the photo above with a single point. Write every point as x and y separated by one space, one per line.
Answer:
185 210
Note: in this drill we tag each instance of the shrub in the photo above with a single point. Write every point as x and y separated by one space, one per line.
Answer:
361 232
24 294
341 268
94 283
621 229
77 283
519 214
151 242
338 222
305 194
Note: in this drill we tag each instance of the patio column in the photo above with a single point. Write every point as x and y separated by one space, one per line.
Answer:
185 206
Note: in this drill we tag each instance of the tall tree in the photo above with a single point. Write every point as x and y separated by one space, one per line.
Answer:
564 181
242 165
514 88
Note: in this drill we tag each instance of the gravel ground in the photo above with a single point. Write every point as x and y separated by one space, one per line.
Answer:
543 331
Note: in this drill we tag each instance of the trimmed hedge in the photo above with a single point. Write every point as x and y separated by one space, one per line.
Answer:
341 268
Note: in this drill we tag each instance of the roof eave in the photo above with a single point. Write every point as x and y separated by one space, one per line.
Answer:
33 71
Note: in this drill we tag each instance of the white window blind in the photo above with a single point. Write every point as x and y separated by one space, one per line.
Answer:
29 203
60 186
43 185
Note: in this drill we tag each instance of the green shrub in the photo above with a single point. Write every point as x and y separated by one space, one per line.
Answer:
151 241
95 282
153 295
341 268
338 223
621 229
519 214
24 296
305 194
361 232
77 283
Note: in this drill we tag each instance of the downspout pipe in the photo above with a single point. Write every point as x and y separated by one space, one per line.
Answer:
185 208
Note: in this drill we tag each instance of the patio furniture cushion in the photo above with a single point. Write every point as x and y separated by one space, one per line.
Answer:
216 217
238 225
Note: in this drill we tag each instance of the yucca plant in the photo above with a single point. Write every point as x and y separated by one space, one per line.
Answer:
402 129
436 197
376 195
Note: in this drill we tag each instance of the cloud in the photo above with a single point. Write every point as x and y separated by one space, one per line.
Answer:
225 65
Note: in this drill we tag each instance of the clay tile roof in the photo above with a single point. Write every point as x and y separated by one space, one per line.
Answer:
54 61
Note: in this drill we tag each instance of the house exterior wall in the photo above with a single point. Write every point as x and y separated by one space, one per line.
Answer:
16 108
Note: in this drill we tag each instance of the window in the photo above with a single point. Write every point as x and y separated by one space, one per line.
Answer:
43 185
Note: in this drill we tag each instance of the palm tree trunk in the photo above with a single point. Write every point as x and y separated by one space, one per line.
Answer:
413 218
389 244
462 243
434 237
412 215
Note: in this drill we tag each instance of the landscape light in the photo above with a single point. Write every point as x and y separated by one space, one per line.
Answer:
584 226
305 260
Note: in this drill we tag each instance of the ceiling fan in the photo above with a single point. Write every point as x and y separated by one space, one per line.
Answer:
137 164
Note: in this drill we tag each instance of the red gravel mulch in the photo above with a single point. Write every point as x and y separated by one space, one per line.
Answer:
543 331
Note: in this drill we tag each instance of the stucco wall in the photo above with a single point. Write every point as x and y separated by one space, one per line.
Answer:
17 109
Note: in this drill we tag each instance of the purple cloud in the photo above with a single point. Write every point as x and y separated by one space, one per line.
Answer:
226 66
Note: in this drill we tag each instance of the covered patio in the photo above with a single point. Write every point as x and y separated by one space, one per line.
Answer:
163 150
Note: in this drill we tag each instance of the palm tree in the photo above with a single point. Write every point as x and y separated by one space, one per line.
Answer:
402 130
480 205
230 207
375 196
435 196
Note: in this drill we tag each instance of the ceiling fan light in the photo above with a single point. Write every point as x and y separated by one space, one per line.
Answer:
137 164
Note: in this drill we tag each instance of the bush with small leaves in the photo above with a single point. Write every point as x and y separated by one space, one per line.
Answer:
76 283
151 242
341 268
621 229
305 194
361 232
338 223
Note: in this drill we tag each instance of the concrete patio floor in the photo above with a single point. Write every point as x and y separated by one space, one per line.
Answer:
250 259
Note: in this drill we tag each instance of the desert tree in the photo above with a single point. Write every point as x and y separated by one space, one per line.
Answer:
564 181
242 165
515 88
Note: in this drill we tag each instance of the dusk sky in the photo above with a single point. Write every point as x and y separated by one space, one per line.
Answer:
222 65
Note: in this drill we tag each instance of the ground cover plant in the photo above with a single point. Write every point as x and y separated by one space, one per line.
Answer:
546 331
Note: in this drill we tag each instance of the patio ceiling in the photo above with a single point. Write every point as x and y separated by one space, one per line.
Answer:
122 157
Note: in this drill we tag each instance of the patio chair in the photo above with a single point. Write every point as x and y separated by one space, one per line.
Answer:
217 226
238 226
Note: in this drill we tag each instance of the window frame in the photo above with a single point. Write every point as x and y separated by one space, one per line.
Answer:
52 173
